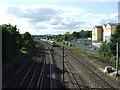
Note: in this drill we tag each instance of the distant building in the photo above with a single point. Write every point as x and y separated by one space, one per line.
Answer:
108 30
102 33
97 33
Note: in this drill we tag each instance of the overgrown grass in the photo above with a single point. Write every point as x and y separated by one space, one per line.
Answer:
92 57
82 52
75 49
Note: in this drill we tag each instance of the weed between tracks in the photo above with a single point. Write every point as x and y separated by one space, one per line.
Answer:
90 57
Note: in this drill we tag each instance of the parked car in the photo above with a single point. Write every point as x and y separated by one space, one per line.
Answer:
108 69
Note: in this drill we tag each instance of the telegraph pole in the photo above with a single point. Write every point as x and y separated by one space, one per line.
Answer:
117 58
63 63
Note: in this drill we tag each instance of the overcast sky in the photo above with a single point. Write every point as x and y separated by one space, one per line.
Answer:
57 17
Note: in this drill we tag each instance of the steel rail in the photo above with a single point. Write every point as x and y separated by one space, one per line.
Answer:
41 53
52 75
32 77
29 71
26 75
80 87
42 74
67 66
59 57
91 69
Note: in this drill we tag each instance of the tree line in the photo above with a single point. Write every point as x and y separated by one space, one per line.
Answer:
14 43
74 36
107 50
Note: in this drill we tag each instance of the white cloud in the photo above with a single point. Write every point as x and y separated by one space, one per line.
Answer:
38 14
42 18
92 15
114 15
100 19
51 19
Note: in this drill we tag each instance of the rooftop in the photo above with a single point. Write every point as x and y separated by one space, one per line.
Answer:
113 24
98 26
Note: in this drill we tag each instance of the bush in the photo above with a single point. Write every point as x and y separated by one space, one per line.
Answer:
105 51
13 42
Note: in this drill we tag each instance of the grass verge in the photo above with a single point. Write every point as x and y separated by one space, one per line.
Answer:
100 62
76 50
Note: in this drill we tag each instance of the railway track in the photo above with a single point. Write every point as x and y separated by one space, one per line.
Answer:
75 80
51 68
79 81
99 77
84 72
38 72
41 76
29 78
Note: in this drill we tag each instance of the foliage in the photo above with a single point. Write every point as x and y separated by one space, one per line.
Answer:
75 49
105 51
115 38
13 42
59 38
74 36
108 49
27 39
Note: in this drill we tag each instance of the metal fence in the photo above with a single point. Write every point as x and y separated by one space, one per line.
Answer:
84 45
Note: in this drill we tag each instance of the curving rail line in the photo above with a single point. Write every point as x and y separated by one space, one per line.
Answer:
51 68
101 81
30 74
81 83
38 71
75 78
41 76
99 74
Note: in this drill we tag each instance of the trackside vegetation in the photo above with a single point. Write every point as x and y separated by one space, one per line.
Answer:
75 49
108 49
74 36
14 43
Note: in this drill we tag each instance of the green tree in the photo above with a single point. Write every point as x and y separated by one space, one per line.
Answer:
27 36
66 36
82 32
115 38
108 49
13 42
88 33
59 38
28 42
105 51
76 35
9 41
